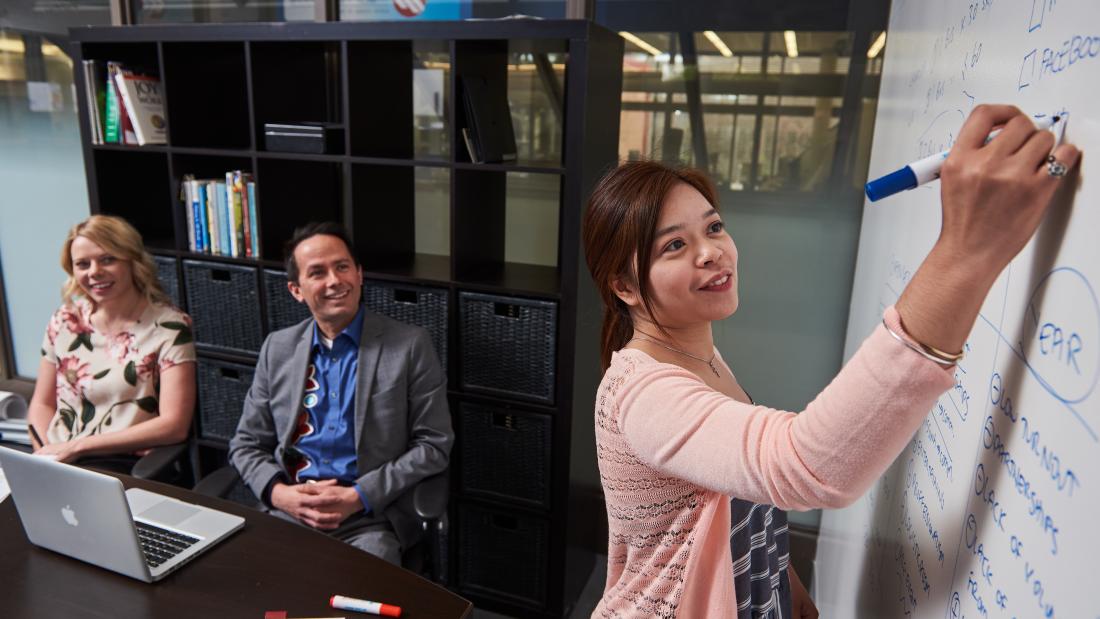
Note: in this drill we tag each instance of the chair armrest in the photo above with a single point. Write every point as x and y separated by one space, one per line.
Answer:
153 464
430 496
219 483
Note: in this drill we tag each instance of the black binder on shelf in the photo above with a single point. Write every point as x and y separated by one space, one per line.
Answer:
488 133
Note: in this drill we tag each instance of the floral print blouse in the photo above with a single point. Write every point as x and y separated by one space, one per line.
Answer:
107 383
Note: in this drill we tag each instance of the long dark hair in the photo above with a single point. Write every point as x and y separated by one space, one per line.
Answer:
619 224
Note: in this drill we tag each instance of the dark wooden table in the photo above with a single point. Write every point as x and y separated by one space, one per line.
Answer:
270 564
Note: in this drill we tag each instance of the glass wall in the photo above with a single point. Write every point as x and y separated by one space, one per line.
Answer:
386 10
202 11
782 122
183 11
41 166
769 105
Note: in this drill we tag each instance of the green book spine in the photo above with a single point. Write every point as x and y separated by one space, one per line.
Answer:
111 107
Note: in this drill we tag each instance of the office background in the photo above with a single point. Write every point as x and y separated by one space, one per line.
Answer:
775 99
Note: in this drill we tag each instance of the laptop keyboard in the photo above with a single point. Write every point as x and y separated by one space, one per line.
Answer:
160 544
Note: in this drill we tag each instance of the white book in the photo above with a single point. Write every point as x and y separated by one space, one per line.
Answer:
89 99
233 223
144 103
13 425
189 209
213 218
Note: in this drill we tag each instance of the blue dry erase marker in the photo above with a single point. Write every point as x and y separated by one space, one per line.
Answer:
927 169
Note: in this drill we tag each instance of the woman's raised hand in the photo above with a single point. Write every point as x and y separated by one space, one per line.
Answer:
995 194
993 197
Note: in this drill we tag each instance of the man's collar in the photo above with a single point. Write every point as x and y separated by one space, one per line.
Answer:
354 330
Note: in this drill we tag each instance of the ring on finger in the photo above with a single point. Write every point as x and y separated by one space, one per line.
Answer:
1056 168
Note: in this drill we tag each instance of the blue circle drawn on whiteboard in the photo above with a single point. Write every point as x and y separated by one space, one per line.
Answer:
1063 336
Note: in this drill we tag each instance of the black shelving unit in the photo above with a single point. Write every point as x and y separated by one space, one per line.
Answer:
525 487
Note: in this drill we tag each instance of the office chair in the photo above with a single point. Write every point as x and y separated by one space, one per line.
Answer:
167 463
427 557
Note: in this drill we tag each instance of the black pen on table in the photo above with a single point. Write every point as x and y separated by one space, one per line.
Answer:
34 434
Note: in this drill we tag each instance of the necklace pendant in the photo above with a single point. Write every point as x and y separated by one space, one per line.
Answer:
714 369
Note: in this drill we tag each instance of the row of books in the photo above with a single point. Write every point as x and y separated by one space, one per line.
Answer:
14 431
125 106
221 215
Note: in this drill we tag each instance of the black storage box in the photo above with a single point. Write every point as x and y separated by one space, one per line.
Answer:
222 388
304 137
508 346
504 453
283 310
223 300
169 278
415 305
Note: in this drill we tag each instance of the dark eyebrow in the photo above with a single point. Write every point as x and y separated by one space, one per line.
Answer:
674 228
664 231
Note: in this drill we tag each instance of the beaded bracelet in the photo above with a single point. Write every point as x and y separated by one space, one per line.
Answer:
928 352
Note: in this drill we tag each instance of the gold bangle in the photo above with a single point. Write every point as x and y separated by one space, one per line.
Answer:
936 352
944 357
953 357
916 348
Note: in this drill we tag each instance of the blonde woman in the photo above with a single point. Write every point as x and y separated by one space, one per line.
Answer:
117 374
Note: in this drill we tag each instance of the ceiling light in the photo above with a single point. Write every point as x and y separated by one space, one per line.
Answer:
640 43
877 46
12 46
718 43
792 43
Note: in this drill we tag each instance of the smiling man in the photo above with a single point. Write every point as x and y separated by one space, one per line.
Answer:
347 410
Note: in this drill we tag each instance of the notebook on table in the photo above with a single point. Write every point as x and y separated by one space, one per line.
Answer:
90 516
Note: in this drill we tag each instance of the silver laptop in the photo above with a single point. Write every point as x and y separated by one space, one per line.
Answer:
88 516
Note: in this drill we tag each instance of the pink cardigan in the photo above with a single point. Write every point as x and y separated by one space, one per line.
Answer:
672 451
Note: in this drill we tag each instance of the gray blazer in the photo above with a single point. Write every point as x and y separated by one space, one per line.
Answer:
402 423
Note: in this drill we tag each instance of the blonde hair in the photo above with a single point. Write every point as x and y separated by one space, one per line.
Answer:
117 237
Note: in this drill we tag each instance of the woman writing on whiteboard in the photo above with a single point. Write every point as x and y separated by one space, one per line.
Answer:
117 374
693 470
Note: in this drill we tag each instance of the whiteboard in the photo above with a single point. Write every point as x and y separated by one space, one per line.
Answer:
991 509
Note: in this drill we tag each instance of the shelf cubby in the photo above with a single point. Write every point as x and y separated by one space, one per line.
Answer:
401 225
478 59
292 193
506 230
294 82
383 199
206 95
134 184
137 56
202 167
531 218
380 98
478 223
536 87
431 100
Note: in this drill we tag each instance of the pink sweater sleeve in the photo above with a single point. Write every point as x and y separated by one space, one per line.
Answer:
827 456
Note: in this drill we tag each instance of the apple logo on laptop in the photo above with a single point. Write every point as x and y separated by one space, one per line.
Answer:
69 515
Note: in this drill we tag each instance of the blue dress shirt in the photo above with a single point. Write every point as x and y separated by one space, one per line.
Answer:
327 445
